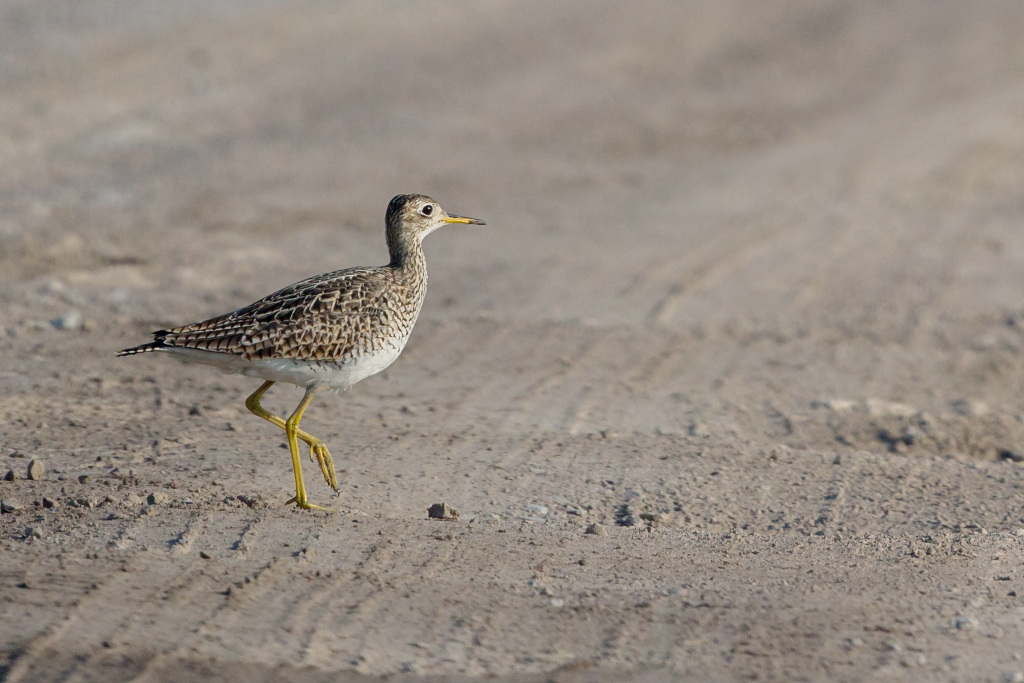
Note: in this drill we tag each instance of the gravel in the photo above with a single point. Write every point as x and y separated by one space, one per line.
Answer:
36 469
442 511
8 505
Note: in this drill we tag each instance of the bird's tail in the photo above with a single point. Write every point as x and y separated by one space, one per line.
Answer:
144 348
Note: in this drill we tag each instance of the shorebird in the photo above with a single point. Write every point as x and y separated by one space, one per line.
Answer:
326 332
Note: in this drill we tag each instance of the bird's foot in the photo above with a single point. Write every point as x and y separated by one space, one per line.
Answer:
319 454
304 504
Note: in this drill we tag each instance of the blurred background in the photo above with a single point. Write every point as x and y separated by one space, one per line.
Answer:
665 162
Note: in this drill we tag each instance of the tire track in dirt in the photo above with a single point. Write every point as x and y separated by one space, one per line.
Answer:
514 368
258 578
255 570
316 603
702 277
366 603
114 609
129 606
673 381
543 375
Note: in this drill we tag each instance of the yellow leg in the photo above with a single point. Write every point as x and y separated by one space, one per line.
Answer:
317 449
253 404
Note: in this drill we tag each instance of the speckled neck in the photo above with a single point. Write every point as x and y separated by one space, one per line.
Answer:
407 258
406 249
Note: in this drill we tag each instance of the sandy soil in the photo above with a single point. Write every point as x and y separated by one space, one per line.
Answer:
749 300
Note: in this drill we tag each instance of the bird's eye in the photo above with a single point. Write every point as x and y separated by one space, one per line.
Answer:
427 210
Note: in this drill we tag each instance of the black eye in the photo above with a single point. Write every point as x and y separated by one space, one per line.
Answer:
427 210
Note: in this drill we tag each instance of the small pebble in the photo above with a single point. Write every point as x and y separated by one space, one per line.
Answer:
1013 677
8 505
965 623
537 509
72 320
1011 455
657 518
11 476
699 430
596 529
49 503
33 532
250 501
840 405
157 498
36 469
442 511
557 602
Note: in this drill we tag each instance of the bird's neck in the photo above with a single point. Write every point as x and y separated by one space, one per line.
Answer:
407 253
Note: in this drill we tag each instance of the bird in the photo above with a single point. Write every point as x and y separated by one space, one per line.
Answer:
328 331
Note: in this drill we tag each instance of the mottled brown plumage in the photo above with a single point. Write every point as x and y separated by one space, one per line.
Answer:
335 316
331 330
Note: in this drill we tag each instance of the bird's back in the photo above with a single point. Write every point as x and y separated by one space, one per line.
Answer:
339 316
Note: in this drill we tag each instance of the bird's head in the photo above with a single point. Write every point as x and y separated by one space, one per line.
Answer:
416 215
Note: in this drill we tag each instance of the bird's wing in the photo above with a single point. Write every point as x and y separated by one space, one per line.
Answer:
316 319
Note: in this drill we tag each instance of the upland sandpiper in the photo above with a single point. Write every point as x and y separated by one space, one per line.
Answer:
325 332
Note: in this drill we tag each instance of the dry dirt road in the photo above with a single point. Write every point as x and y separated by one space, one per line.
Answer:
749 300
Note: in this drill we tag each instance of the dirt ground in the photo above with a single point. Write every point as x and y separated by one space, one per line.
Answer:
728 388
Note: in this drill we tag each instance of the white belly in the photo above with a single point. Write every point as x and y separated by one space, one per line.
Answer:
332 374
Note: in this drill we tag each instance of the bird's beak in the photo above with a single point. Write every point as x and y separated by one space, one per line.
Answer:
463 219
